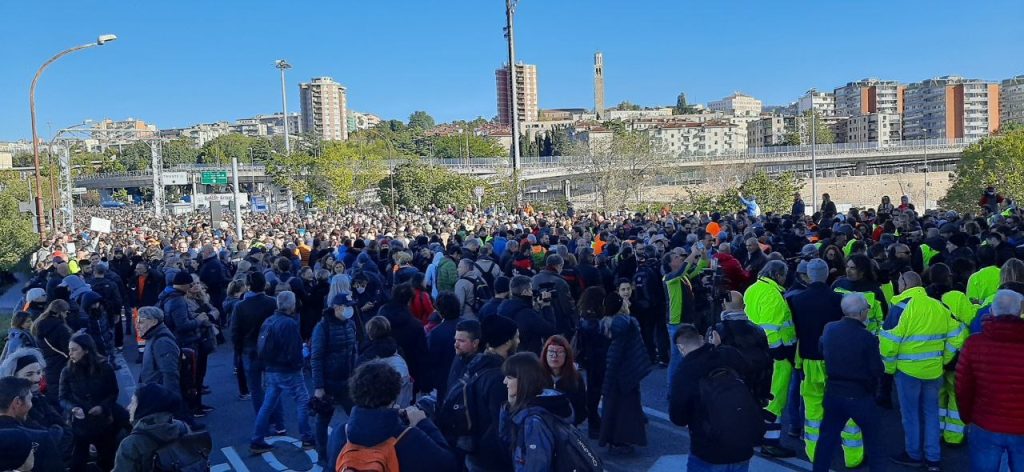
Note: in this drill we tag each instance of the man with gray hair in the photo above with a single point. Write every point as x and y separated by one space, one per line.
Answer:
989 389
854 367
160 359
550 280
280 349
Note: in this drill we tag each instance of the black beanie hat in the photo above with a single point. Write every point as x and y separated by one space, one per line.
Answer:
497 330
153 398
182 278
612 304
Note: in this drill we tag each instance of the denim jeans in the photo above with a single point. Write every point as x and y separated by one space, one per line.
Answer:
278 383
676 356
695 464
920 398
794 414
987 449
254 378
864 412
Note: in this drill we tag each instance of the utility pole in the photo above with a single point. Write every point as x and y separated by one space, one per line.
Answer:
284 65
238 203
510 13
814 163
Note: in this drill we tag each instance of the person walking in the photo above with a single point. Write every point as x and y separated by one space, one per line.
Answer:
332 360
989 387
250 313
151 411
534 318
916 351
280 350
854 369
160 360
767 308
88 391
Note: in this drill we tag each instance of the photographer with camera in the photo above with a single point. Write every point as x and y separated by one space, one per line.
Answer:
532 312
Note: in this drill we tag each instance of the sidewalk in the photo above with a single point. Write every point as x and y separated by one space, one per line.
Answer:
12 295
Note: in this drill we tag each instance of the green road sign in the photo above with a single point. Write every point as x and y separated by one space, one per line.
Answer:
216 177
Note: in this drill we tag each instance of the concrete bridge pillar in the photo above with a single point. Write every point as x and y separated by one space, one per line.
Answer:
862 168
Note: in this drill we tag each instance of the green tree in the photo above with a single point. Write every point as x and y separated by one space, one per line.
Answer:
997 161
620 168
445 147
560 141
16 236
221 149
421 120
418 185
138 155
774 193
179 151
339 175
682 108
24 158
627 105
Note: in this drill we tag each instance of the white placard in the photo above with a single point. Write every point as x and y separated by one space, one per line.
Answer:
101 225
175 178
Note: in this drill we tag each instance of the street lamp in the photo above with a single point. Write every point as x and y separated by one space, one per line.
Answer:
510 13
100 41
283 66
925 130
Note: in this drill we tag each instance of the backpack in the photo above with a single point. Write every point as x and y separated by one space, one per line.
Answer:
187 373
572 452
266 345
379 458
455 417
189 453
487 275
731 416
481 293
642 281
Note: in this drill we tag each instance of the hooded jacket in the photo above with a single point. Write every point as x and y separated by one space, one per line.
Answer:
422 448
160 359
527 435
408 332
178 317
489 395
334 354
135 454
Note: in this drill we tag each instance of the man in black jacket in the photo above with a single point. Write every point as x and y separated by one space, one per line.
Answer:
250 313
489 395
737 331
649 306
813 308
213 274
15 403
407 331
535 326
686 406
854 367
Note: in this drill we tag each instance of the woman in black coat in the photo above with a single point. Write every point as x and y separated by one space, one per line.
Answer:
558 361
592 352
623 424
88 393
52 334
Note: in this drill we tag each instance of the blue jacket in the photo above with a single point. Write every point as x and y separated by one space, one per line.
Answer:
284 355
178 317
440 353
490 308
852 359
628 362
334 354
422 448
534 327
499 244
527 435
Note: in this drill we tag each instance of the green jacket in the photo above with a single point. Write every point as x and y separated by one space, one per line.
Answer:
926 338
768 309
678 290
135 454
447 275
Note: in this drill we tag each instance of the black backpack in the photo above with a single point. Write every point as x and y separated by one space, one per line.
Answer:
189 453
481 293
572 452
487 275
455 417
731 416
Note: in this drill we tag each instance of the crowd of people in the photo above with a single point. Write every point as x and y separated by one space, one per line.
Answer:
446 340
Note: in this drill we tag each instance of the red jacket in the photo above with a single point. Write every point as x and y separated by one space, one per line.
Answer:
990 377
421 307
738 278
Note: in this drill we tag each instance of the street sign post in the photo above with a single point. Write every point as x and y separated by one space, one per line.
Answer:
215 177
479 192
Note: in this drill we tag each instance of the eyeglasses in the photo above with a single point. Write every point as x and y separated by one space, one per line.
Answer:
555 353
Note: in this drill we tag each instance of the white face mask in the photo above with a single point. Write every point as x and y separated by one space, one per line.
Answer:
347 312
360 290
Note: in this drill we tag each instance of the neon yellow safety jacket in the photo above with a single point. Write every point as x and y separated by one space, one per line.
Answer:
983 284
768 309
925 339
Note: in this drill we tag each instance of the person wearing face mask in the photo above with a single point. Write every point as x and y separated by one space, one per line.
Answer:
854 368
333 360
28 364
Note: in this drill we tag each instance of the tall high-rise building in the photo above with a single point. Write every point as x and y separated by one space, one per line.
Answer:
527 105
950 107
599 85
737 104
324 109
868 96
1011 100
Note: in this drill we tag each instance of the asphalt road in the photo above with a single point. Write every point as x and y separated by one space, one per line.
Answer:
232 421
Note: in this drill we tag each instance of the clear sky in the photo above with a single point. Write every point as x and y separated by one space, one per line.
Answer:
183 62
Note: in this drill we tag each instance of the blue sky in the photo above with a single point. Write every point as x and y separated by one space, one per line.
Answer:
183 62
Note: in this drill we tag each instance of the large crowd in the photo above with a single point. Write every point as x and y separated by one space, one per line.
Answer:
446 339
